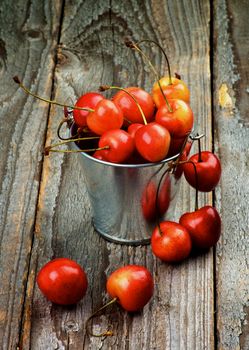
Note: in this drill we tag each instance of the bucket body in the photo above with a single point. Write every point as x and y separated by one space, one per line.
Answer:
123 198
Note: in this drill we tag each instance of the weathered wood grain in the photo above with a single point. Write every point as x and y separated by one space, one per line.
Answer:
28 35
180 316
231 67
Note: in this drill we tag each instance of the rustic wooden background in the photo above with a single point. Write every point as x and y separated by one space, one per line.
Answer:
44 211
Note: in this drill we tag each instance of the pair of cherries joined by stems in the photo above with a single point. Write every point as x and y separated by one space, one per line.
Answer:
198 230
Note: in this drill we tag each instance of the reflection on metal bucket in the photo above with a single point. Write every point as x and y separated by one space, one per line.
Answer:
123 198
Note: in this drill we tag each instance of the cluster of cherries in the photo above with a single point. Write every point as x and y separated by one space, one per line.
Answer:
137 127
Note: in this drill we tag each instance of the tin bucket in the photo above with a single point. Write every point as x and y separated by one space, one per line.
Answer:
123 197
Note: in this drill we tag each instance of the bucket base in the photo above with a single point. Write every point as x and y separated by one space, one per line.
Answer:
144 241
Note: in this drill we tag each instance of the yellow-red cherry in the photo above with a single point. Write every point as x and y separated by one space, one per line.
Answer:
132 285
177 90
171 243
179 121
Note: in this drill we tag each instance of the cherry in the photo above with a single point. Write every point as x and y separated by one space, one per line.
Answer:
177 89
176 145
88 100
208 170
106 116
27 91
167 87
164 195
179 121
62 281
148 201
155 200
119 145
132 129
132 285
152 142
203 225
98 155
129 107
170 242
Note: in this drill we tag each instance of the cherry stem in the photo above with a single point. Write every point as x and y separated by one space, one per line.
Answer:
50 148
162 50
196 182
177 76
107 87
198 138
134 46
199 151
107 332
47 150
17 80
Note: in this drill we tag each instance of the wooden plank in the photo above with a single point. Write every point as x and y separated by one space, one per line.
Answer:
180 316
28 36
231 84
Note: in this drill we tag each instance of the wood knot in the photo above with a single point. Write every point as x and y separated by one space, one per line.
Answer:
71 326
33 34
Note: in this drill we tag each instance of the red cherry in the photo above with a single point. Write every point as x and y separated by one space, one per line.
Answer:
172 244
164 195
98 155
152 142
62 281
148 199
176 145
120 143
129 107
177 90
88 100
208 171
132 129
132 285
179 122
203 225
107 116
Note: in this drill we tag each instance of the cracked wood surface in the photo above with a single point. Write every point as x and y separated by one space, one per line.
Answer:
45 211
28 38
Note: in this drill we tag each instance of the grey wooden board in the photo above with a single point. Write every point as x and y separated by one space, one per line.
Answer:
28 34
231 87
27 42
180 316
